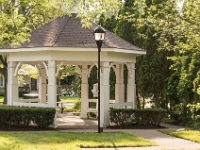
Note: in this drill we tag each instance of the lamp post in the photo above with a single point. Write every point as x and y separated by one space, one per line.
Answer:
99 35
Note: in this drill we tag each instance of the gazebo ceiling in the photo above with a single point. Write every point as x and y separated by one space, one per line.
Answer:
67 31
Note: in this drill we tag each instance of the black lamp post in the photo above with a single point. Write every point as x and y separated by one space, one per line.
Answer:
99 35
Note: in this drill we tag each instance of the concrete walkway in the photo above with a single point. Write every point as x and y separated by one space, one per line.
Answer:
70 123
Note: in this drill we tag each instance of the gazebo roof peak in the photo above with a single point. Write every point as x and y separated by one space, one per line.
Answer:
67 31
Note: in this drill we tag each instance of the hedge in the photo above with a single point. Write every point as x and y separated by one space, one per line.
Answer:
1 93
23 116
131 117
21 93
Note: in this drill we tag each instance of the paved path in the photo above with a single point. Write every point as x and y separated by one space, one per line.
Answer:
164 142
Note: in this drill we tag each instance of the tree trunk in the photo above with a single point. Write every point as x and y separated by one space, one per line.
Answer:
137 99
5 85
4 71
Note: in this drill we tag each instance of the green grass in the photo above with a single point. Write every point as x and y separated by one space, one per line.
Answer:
192 135
1 99
62 98
75 108
69 99
68 140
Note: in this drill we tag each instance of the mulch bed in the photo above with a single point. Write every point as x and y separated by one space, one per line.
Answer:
137 127
34 128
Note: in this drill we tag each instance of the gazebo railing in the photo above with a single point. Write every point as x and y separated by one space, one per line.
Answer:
111 104
121 105
29 104
35 100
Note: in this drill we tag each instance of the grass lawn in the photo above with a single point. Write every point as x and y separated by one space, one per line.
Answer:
192 135
69 99
75 100
68 140
62 99
1 99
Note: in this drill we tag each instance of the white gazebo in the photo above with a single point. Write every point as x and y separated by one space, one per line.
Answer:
64 41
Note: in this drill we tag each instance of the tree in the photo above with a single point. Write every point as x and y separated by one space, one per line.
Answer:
66 71
135 26
179 35
29 70
170 34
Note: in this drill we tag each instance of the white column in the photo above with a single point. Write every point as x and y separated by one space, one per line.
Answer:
84 91
119 86
104 94
131 87
52 87
42 86
12 85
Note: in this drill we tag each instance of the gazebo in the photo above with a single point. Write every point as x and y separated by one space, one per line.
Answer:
64 41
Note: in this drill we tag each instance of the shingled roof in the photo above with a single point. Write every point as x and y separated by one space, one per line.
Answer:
67 31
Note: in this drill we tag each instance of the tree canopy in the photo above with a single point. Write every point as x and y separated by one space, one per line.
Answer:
169 32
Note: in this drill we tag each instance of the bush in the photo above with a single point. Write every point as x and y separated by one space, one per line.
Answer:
21 93
77 105
142 117
43 117
182 114
1 93
195 115
23 116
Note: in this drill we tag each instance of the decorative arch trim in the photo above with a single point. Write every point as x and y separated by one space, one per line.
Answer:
17 68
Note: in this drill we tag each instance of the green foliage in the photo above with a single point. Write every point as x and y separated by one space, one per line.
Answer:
1 93
92 80
170 70
196 87
131 117
112 83
93 9
67 70
134 24
43 117
17 19
76 84
67 80
181 114
195 114
69 99
21 93
75 108
77 105
27 70
22 116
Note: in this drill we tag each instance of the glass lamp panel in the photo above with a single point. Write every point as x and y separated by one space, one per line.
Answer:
97 36
102 36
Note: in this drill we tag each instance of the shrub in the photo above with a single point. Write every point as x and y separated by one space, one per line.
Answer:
21 93
1 93
195 115
43 117
130 117
77 105
22 116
